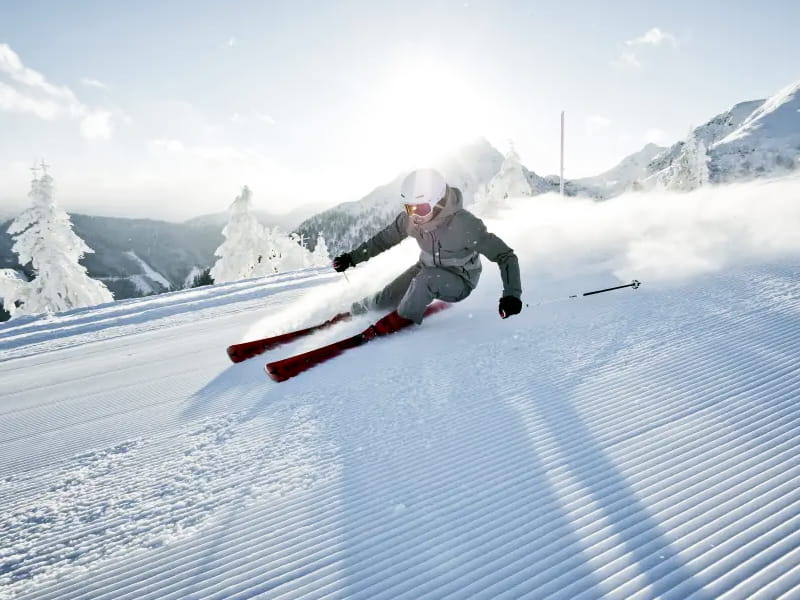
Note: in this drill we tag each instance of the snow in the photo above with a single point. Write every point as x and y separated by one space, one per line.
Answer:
767 143
773 119
630 169
635 444
149 272
760 138
140 282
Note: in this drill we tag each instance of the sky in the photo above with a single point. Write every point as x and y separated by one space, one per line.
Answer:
166 109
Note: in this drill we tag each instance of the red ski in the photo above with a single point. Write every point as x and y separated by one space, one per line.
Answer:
281 370
245 350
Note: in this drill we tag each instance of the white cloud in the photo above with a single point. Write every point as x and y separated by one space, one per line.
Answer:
12 100
653 37
88 82
232 41
28 91
11 66
597 123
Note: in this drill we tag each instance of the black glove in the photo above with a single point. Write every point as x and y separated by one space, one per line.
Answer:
343 262
509 305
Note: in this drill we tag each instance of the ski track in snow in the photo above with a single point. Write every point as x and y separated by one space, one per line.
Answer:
143 493
635 445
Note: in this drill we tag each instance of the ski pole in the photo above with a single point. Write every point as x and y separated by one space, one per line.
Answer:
343 273
634 284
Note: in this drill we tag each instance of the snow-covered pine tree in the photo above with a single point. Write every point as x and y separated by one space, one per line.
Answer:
690 170
243 254
510 182
321 256
43 238
701 172
273 254
12 291
291 251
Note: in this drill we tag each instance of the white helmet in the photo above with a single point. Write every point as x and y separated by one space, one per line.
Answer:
425 186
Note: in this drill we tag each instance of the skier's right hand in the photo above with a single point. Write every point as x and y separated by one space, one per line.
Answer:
509 305
343 262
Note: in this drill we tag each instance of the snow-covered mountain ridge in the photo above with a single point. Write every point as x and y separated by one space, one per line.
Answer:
711 132
620 178
170 251
766 143
760 138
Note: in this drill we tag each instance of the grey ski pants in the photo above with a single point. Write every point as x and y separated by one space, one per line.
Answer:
415 288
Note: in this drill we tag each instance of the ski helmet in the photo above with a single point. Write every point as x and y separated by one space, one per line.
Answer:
421 190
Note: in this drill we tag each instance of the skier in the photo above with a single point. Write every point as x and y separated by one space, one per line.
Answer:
450 239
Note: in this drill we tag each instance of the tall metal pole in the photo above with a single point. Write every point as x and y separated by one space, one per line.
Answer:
562 152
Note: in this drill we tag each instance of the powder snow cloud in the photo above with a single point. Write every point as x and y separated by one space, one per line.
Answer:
658 237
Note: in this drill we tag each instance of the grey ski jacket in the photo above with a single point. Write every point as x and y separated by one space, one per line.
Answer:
452 240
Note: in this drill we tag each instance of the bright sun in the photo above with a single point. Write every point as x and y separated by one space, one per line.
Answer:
421 110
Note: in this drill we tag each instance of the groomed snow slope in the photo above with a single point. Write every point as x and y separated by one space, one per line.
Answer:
637 444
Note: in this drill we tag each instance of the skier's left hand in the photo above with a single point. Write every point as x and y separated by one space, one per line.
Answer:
509 305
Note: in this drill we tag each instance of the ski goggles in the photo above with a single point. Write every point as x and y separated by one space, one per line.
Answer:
421 210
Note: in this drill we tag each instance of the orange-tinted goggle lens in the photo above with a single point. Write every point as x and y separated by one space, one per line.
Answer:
420 210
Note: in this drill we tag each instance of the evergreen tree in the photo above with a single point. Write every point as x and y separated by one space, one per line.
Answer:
510 182
690 170
273 255
242 254
701 172
12 289
285 252
321 256
44 239
204 278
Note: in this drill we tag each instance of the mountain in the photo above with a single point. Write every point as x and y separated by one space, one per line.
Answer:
709 133
758 138
349 223
620 178
136 257
766 143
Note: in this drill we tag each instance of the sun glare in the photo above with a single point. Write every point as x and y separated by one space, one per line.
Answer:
422 109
